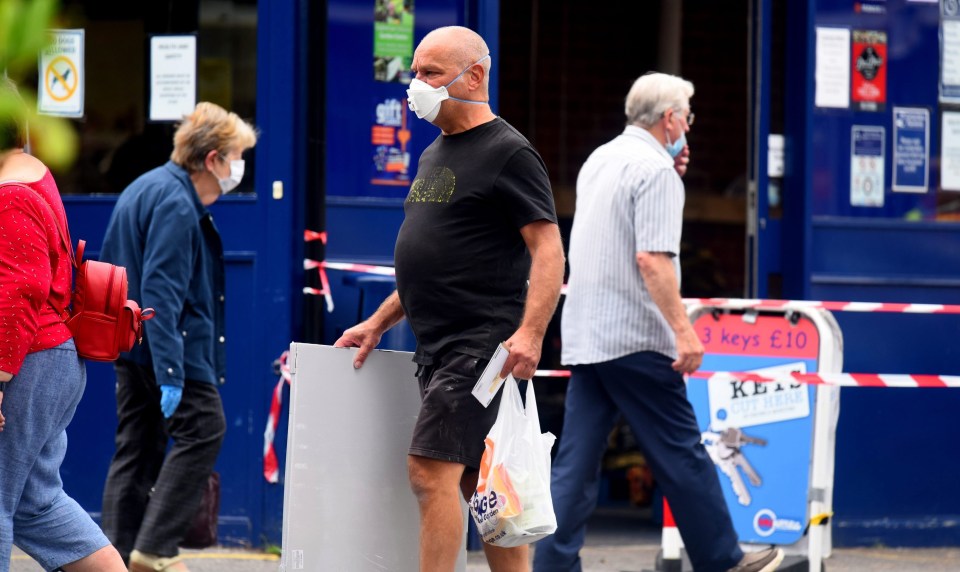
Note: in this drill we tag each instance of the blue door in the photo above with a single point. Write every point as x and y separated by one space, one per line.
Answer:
860 211
249 61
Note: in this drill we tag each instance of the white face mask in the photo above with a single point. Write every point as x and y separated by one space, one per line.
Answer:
425 100
236 175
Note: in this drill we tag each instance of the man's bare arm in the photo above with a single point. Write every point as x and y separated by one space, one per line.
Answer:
661 281
546 278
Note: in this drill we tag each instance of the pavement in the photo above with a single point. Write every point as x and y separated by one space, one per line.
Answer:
617 541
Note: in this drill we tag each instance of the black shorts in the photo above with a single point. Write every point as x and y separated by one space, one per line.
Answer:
452 424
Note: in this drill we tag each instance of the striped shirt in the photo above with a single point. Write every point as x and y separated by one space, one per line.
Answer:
629 200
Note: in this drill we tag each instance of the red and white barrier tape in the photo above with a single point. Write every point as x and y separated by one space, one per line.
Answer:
736 303
552 373
841 379
324 282
832 306
309 235
365 268
271 468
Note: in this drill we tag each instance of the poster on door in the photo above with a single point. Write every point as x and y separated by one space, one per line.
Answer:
869 70
950 151
392 40
950 52
173 77
390 137
62 75
911 149
866 165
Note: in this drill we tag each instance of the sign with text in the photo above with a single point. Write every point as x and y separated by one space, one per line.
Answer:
758 434
392 40
911 149
62 75
173 77
866 165
389 136
735 403
950 151
869 70
950 53
832 74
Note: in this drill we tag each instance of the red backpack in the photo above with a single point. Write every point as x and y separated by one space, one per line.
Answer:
103 322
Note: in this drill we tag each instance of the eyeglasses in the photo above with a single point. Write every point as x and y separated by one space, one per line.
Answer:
690 116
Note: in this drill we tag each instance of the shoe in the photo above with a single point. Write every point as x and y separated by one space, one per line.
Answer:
143 562
762 561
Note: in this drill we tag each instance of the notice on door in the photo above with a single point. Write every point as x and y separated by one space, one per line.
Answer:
832 75
62 75
869 70
911 149
950 152
866 165
173 77
950 56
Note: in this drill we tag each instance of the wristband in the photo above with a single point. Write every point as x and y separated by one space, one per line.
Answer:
3 386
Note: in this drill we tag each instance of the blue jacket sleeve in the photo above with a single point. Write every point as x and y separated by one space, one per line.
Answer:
171 247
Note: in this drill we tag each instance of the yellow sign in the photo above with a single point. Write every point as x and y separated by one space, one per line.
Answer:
62 74
61 80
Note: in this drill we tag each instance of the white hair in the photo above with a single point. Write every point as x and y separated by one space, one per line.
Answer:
654 93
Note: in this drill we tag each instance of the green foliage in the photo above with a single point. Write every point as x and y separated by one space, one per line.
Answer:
23 34
269 547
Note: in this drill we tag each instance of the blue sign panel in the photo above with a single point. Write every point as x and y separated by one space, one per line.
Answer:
911 149
759 435
373 141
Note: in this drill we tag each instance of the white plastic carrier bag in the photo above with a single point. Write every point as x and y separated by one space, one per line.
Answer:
512 504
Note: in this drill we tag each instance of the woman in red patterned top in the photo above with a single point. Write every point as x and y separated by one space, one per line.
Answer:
41 376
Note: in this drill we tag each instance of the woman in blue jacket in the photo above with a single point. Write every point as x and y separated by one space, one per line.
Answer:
167 387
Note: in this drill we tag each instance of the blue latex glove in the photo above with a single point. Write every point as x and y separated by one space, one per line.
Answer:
169 399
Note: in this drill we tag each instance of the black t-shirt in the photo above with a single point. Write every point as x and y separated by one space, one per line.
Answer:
462 265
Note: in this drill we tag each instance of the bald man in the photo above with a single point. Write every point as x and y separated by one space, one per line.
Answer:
479 223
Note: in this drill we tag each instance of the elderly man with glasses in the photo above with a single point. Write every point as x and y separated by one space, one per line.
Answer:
627 337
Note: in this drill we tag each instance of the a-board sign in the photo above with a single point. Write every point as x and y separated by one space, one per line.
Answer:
761 436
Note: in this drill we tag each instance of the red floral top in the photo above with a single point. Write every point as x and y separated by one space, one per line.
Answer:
35 271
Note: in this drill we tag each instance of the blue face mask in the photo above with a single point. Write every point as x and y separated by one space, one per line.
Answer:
677 146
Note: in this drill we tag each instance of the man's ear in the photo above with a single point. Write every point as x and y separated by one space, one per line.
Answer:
476 75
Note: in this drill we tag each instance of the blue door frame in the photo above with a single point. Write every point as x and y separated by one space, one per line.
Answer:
895 484
262 236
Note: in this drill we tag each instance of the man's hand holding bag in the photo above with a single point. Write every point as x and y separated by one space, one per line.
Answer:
512 504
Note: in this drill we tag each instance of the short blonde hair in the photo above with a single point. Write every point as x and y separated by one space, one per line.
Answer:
654 93
209 127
